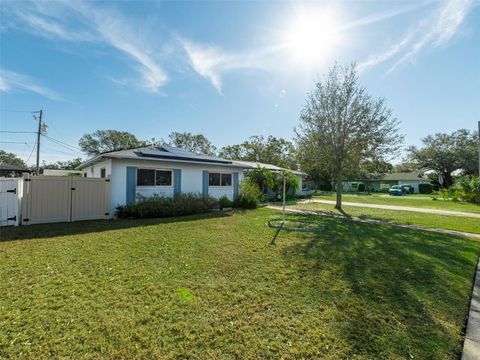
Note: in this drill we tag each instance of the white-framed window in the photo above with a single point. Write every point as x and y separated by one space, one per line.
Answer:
154 177
219 179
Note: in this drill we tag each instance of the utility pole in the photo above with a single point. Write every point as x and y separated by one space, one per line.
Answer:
37 172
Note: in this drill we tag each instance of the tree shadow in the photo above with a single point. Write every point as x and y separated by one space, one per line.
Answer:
400 285
30 232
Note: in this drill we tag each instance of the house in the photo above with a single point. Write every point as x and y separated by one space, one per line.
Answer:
7 170
166 170
379 182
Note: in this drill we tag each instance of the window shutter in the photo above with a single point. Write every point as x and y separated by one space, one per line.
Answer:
131 185
235 185
205 183
177 181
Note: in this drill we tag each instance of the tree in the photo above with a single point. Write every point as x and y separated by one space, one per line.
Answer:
108 140
445 153
405 166
11 159
63 165
195 143
342 127
271 150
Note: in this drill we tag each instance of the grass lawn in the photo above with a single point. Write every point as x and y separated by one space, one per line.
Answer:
222 286
459 223
414 200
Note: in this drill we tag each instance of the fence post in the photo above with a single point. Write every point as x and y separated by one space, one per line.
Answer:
25 203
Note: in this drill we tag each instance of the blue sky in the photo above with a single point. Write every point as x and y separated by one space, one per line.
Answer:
227 70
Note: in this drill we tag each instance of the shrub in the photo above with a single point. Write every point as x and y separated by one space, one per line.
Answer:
425 188
467 189
163 206
325 187
361 187
225 202
250 195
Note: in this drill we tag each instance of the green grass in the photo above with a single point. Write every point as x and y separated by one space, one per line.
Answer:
459 223
224 287
414 200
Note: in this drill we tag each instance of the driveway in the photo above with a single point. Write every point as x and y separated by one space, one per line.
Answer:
398 208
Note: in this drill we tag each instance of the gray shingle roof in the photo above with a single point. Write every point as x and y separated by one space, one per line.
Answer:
171 153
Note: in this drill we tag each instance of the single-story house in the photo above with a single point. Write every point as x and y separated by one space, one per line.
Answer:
378 182
166 170
7 170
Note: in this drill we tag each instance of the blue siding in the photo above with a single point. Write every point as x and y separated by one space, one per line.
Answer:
177 181
205 183
131 184
235 185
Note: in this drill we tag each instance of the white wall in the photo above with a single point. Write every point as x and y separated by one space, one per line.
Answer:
191 179
94 170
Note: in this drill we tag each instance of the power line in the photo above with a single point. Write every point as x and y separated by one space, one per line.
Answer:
31 152
15 142
59 151
66 146
16 111
62 143
17 132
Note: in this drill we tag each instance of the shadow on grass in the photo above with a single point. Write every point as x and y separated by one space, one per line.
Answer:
404 286
83 227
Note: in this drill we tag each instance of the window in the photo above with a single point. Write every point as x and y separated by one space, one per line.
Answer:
145 177
102 172
213 179
152 177
219 179
226 180
163 178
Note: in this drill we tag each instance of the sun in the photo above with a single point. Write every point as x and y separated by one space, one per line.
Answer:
311 36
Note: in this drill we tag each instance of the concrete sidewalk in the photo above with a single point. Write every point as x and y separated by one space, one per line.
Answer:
378 222
398 208
471 346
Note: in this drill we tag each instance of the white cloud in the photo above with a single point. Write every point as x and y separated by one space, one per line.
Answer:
437 30
212 62
10 80
81 21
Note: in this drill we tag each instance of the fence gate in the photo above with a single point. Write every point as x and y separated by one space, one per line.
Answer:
49 199
90 198
10 194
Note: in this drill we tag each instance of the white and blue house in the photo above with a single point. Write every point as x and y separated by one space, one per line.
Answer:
166 170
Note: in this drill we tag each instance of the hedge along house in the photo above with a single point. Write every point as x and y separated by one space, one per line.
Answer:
165 170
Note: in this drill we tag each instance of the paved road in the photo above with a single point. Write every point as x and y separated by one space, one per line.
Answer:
400 208
379 222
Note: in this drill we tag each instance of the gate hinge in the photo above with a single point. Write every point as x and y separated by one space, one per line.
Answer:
73 188
14 191
14 218
106 214
26 219
26 179
107 180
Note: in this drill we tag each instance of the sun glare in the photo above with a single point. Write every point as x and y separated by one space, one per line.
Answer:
311 36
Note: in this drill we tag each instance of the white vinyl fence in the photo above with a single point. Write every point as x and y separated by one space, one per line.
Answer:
48 199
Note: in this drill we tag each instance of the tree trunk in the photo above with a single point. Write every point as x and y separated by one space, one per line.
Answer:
338 186
447 179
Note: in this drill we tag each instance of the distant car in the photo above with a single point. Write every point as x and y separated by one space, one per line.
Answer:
408 188
397 190
308 191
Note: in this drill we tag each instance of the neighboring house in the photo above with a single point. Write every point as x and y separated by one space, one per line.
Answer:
385 181
56 172
7 170
165 170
